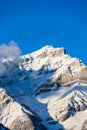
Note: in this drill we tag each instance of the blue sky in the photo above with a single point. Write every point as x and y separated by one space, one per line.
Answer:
34 24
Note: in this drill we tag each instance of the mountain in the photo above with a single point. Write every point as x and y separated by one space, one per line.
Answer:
44 90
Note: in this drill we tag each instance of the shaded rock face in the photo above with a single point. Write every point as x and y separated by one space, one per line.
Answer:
22 124
26 123
4 99
46 87
76 102
13 117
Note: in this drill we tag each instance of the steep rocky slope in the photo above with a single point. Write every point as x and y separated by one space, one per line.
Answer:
46 89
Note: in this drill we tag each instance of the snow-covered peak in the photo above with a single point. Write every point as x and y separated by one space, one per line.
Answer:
48 50
49 82
48 47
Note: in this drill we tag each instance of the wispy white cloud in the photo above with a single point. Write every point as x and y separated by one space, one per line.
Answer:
12 49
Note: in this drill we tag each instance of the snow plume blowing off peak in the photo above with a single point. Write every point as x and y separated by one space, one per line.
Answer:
10 50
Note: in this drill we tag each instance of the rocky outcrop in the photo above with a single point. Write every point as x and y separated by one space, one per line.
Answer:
84 126
65 115
46 87
71 73
22 123
59 52
42 55
76 102
27 123
13 116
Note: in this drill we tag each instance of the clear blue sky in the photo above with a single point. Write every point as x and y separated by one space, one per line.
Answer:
34 24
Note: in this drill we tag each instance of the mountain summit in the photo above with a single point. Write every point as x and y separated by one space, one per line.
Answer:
43 90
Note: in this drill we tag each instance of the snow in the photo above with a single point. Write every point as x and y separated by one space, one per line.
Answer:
27 76
57 100
76 121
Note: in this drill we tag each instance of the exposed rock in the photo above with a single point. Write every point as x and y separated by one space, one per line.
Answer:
54 53
46 87
64 116
82 107
84 126
14 117
72 71
76 102
42 55
42 91
22 123
59 52
77 107
2 94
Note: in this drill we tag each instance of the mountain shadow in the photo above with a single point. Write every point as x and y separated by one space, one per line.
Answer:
13 83
2 127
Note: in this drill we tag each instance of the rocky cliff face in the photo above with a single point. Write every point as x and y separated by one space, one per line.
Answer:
15 116
46 89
